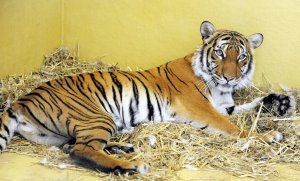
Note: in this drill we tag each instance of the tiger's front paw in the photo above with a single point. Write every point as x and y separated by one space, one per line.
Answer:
279 104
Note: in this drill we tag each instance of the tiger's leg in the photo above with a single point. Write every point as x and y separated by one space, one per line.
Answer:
91 140
203 115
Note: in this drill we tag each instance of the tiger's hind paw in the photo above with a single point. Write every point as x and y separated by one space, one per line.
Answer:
67 147
270 137
279 104
139 168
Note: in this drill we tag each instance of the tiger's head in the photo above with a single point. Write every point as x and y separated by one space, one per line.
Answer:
225 59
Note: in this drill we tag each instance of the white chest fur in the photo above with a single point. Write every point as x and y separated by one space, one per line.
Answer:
221 100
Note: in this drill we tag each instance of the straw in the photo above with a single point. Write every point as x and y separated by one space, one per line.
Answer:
167 147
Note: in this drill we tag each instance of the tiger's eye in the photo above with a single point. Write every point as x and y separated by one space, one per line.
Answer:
242 57
219 52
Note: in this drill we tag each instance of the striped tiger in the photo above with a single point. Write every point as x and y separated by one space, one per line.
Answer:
80 113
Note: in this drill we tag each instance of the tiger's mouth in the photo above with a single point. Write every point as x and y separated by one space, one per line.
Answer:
223 82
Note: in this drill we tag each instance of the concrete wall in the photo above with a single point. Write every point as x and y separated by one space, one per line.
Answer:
28 30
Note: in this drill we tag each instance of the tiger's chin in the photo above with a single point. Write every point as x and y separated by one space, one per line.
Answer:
225 86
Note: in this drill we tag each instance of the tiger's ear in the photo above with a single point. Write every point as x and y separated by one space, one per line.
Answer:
206 29
256 39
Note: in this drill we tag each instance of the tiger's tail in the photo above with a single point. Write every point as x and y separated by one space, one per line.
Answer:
8 124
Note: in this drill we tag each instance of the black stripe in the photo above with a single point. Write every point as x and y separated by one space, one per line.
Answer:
68 85
140 73
11 114
170 70
100 87
171 81
95 139
215 67
35 118
117 83
28 100
135 93
122 73
226 38
80 76
207 54
101 102
173 114
3 137
41 97
89 89
52 121
72 107
72 79
115 98
85 137
68 122
62 87
82 105
147 71
6 129
50 94
59 113
158 70
79 88
49 84
110 123
93 128
43 109
215 40
241 42
76 95
159 88
204 127
101 75
149 105
201 55
230 110
200 92
159 109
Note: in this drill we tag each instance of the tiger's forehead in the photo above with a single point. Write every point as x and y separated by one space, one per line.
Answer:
225 38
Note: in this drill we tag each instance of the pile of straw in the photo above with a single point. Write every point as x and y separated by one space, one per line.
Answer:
167 147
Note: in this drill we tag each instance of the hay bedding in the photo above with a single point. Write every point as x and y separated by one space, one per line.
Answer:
167 147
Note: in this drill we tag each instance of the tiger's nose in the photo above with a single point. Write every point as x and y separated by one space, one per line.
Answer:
228 77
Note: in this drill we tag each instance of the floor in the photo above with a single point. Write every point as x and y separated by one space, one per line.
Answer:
15 167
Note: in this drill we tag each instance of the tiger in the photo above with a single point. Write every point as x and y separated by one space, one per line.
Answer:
80 113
